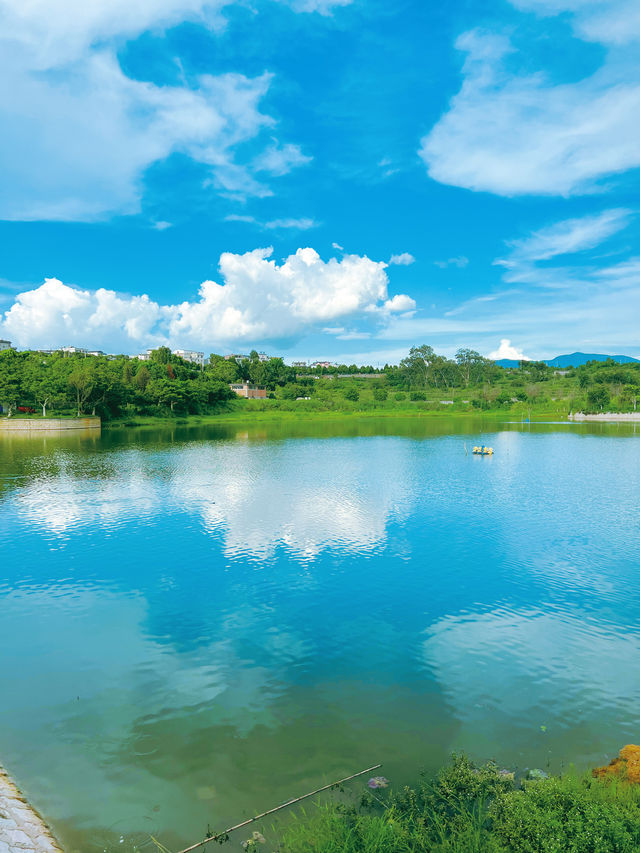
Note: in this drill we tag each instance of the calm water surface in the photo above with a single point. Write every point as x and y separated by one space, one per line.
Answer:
198 623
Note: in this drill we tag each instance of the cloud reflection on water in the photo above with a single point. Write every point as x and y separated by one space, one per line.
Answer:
255 499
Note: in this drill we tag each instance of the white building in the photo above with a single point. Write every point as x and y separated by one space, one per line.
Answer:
73 350
190 355
5 345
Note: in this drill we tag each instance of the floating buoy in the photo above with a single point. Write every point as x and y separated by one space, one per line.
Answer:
483 451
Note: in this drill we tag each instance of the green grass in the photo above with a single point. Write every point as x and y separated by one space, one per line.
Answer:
472 809
278 410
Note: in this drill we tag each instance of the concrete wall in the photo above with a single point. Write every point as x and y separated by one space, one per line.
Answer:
606 416
22 425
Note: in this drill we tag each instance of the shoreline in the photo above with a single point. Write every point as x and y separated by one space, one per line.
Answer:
607 417
22 829
280 415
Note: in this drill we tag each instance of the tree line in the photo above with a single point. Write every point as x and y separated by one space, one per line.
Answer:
165 383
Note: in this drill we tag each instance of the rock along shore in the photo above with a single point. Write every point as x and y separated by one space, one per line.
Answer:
22 830
606 416
15 426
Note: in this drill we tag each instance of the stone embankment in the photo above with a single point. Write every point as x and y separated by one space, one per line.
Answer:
31 425
626 417
22 830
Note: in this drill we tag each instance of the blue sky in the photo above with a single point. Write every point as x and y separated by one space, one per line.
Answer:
321 178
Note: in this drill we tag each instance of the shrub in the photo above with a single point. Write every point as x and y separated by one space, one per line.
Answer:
568 815
477 809
417 395
380 394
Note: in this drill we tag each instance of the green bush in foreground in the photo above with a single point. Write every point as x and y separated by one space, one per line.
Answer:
470 809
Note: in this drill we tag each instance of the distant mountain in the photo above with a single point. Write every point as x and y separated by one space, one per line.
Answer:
574 359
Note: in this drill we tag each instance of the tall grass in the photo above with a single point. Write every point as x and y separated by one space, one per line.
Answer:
472 809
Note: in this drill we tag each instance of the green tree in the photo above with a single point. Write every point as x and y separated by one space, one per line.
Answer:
417 365
162 355
470 364
43 383
168 392
444 373
81 381
630 394
598 398
537 370
142 377
224 370
11 388
584 379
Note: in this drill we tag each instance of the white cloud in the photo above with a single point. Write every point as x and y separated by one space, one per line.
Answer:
259 299
280 159
608 21
567 237
56 32
501 651
240 217
324 7
506 350
581 304
55 314
399 304
249 523
78 134
403 260
512 134
461 262
301 224
337 246
162 225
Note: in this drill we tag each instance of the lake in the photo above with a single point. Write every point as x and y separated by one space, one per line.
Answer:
198 623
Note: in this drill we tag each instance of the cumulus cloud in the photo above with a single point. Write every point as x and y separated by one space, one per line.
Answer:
403 260
515 133
78 133
506 350
258 299
55 314
399 304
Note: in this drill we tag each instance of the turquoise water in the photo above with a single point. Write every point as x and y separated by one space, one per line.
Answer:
199 623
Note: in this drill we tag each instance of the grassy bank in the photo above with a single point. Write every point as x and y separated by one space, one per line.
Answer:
472 809
279 410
